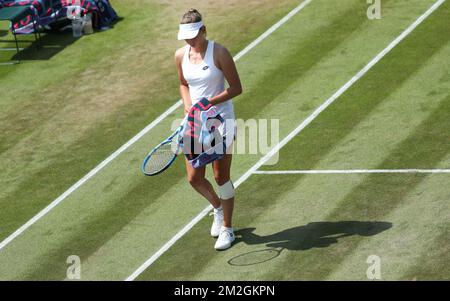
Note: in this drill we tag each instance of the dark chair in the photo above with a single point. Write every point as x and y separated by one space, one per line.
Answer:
15 14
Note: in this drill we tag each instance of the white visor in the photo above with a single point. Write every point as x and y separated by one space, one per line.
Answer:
189 31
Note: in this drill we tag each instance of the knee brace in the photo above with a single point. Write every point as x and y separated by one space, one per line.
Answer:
226 191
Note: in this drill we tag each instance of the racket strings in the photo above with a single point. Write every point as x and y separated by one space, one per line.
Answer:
162 156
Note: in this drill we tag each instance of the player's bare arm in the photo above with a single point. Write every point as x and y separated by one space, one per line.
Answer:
225 62
184 87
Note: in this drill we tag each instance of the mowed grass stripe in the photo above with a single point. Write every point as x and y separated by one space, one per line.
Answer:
415 238
172 267
433 263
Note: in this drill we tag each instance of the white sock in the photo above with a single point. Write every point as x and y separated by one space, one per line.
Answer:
226 228
218 209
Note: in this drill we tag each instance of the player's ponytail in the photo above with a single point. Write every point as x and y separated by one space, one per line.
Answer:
192 16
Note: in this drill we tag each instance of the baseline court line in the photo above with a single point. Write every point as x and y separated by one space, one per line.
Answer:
349 171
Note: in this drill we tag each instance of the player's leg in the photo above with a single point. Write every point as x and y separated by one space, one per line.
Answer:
196 177
221 170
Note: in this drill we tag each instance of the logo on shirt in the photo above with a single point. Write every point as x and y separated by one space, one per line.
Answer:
206 68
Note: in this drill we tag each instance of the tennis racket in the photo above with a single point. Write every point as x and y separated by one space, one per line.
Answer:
163 155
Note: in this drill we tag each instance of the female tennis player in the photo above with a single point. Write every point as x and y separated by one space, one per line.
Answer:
202 67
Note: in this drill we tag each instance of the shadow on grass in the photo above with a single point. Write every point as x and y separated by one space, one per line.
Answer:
312 235
31 50
52 43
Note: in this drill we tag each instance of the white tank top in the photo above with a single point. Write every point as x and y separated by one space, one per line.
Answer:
205 79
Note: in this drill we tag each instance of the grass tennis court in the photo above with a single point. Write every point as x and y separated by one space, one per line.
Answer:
63 112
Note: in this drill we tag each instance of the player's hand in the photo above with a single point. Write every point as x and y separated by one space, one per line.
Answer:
201 105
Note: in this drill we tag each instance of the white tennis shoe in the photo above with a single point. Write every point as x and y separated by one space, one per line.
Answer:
217 223
225 239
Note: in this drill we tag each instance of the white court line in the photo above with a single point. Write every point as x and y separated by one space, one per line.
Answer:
11 49
348 171
138 136
267 157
